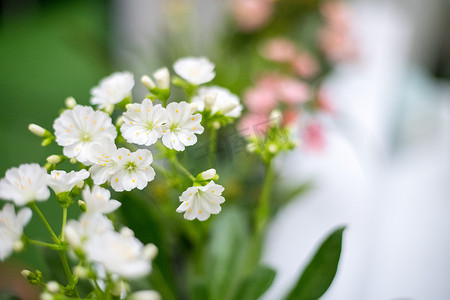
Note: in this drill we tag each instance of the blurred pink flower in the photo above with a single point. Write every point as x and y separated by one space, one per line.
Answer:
337 45
253 124
289 117
313 137
251 15
323 102
293 91
305 65
260 99
336 14
279 50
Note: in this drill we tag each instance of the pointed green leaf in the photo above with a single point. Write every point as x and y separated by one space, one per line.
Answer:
319 274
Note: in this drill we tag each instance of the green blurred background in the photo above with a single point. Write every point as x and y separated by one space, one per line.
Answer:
49 50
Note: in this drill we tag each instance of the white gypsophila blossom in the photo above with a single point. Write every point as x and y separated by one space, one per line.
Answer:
61 182
142 122
11 228
133 169
118 253
196 70
181 126
99 200
124 170
201 201
223 101
25 184
112 89
89 226
104 163
79 129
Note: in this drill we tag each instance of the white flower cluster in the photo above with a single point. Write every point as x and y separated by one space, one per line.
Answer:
88 136
93 234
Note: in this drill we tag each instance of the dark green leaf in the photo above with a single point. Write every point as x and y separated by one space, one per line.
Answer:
319 274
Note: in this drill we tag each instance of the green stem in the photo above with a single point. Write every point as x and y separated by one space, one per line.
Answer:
68 272
52 233
182 168
44 244
212 147
263 209
64 221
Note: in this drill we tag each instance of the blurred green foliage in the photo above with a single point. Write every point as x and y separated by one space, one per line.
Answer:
46 55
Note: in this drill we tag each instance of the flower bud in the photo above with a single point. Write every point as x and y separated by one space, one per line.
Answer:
275 117
81 272
216 125
150 251
73 160
54 159
37 130
53 287
82 205
26 273
46 296
72 236
119 121
18 246
162 77
251 147
145 295
80 184
272 148
109 109
148 82
47 142
126 232
70 102
208 174
226 109
129 106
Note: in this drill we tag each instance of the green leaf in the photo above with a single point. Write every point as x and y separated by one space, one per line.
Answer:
226 252
256 284
319 274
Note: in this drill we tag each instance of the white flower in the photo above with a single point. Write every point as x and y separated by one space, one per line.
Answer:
105 164
181 126
219 101
99 200
125 170
118 254
162 77
61 182
11 228
201 201
112 89
133 170
25 184
89 226
196 70
79 129
142 123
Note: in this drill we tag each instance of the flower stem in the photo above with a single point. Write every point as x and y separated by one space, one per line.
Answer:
52 233
263 209
182 168
66 267
44 244
64 221
212 147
